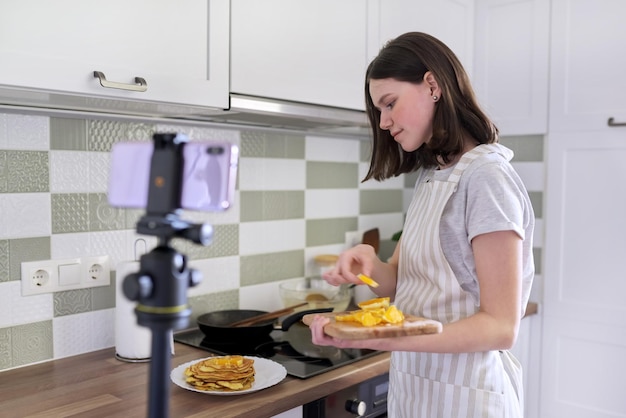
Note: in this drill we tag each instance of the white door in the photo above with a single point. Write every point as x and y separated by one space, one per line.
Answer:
584 335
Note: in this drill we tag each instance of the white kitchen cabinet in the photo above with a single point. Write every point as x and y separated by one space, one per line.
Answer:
588 64
311 51
511 63
584 315
180 50
452 21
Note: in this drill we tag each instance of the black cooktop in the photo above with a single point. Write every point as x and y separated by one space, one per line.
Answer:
292 348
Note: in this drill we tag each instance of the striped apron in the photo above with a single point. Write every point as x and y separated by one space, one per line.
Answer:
425 385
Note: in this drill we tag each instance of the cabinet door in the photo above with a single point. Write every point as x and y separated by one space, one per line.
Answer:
451 21
584 332
311 51
180 50
511 63
588 64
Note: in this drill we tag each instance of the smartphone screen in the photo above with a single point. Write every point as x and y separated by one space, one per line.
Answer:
209 175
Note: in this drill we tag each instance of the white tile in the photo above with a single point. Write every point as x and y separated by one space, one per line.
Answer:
16 309
103 324
532 174
25 215
99 167
229 216
68 245
264 297
272 236
69 172
387 223
310 267
332 149
218 274
73 334
28 132
272 174
3 131
331 203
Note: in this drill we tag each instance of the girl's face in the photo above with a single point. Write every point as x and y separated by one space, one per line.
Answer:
406 109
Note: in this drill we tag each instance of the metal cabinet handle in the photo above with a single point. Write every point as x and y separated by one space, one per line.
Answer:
612 122
140 83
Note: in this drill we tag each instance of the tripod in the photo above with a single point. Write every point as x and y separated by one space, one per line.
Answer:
160 286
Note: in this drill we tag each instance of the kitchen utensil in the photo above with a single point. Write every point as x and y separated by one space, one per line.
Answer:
412 325
270 315
372 237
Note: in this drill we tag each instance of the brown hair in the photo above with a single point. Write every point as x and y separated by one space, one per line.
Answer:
457 114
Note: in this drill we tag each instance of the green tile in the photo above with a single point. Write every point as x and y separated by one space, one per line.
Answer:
329 231
102 134
102 216
72 302
210 302
31 343
27 171
26 249
380 201
365 151
266 268
6 358
271 205
225 243
332 175
68 134
526 148
103 297
70 212
536 199
5 267
4 172
410 179
272 145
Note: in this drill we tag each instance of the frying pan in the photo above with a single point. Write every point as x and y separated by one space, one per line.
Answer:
215 325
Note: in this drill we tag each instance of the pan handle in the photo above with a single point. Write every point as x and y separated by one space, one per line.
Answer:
292 319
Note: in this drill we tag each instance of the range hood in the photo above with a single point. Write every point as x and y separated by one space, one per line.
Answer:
263 112
244 112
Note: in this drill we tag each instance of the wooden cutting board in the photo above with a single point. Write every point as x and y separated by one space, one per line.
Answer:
412 325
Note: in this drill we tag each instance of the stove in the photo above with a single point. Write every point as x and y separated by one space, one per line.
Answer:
292 348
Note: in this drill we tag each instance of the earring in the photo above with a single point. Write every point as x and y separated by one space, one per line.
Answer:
435 98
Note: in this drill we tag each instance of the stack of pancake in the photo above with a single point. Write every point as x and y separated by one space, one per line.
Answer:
226 374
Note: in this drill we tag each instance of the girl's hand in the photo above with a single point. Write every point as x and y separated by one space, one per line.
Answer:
358 259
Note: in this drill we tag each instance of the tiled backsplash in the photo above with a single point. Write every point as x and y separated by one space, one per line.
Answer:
297 196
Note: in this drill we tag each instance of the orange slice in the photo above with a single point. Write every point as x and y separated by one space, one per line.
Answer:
374 304
368 280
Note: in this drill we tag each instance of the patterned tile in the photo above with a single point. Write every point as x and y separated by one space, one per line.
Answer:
27 132
26 249
212 302
68 134
102 216
69 172
272 145
31 343
72 302
27 171
5 275
6 357
24 215
98 172
102 134
225 243
4 172
70 212
329 231
264 268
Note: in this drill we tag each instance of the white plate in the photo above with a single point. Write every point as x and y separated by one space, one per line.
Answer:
266 373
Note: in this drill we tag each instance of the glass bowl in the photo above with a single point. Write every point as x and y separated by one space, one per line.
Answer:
316 292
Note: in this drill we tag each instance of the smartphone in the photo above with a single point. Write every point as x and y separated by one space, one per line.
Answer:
209 175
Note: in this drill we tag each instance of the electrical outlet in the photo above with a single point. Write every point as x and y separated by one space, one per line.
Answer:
39 277
96 271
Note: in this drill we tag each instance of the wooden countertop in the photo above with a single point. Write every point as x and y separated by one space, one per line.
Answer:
98 385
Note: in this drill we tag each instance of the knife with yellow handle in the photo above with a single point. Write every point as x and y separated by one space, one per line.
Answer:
368 280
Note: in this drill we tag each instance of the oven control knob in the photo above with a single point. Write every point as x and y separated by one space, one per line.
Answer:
356 407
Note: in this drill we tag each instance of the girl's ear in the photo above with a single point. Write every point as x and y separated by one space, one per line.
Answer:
430 80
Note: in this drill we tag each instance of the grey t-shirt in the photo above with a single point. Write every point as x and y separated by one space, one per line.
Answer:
490 197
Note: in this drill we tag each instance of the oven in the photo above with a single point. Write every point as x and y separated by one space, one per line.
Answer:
365 400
